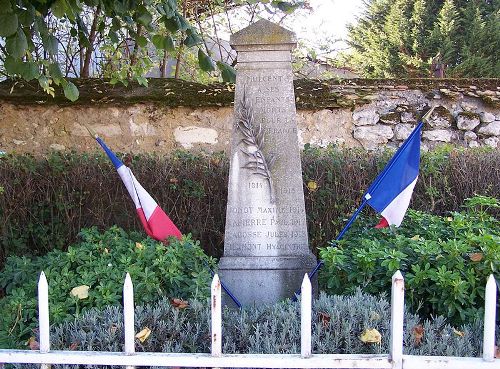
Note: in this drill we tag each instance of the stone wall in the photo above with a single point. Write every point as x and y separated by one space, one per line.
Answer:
173 114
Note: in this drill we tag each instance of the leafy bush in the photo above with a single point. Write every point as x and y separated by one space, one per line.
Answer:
100 262
338 322
46 201
446 260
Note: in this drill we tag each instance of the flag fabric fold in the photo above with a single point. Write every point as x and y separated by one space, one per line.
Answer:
391 192
154 220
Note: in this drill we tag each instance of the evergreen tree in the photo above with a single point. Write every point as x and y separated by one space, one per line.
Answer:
417 38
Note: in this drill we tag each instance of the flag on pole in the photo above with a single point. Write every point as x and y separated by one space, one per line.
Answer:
154 220
391 191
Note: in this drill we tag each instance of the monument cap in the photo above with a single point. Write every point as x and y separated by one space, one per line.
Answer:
263 32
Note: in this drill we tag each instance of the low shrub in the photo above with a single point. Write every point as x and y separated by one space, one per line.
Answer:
338 323
446 260
99 261
46 201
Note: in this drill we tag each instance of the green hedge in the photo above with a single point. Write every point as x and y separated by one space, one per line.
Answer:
97 265
446 260
44 202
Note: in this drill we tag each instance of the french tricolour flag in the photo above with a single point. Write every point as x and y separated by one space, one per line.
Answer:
391 191
154 220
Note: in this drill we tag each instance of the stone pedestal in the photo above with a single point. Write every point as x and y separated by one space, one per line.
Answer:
266 252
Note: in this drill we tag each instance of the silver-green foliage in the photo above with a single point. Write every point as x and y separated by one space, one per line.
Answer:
338 322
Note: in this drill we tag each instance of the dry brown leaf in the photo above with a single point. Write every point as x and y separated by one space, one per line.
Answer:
143 335
139 246
33 343
458 333
174 180
477 256
324 318
418 334
179 304
73 346
82 292
371 336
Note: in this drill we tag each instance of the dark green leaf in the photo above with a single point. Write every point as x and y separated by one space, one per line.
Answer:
17 45
71 91
144 17
141 41
113 36
55 72
29 71
8 24
205 62
227 72
192 38
50 44
143 81
115 24
119 7
12 65
5 7
172 24
163 42
169 43
59 8
73 32
25 17
184 25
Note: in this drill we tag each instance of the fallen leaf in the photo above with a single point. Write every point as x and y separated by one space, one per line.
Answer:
324 318
312 186
139 246
449 219
415 238
143 335
33 344
371 336
82 292
174 180
418 334
477 256
113 329
374 316
180 304
458 333
106 251
73 346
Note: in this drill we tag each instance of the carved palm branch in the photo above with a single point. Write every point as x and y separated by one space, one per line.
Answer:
253 139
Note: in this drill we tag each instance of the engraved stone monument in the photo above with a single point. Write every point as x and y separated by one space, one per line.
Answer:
266 252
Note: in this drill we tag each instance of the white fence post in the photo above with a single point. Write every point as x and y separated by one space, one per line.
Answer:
43 316
216 317
397 320
128 316
490 302
305 317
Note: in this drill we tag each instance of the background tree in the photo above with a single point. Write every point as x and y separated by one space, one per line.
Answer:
405 38
51 40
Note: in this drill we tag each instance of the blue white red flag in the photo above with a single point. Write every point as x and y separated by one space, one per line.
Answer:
154 220
391 191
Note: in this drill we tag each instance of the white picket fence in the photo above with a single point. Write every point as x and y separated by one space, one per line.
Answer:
395 359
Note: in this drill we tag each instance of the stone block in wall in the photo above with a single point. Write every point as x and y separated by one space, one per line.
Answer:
392 117
470 136
365 116
486 117
188 136
492 142
442 135
490 129
371 137
441 118
402 131
467 121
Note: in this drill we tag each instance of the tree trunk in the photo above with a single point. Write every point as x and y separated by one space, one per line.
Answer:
85 71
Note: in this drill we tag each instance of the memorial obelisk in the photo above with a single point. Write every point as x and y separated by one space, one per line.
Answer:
266 251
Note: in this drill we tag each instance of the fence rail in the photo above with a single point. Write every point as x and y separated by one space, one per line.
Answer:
306 359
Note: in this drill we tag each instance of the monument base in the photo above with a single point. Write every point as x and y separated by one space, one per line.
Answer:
256 280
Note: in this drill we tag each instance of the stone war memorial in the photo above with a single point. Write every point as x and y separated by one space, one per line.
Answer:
266 251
